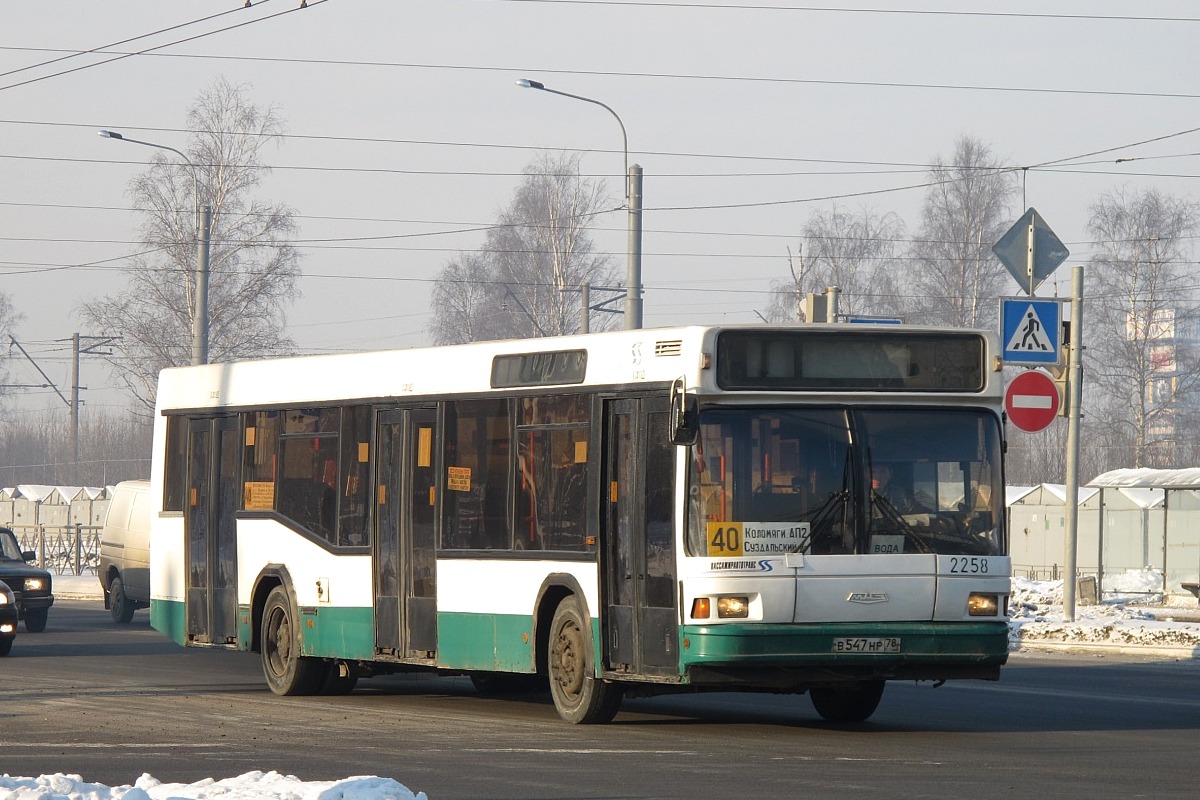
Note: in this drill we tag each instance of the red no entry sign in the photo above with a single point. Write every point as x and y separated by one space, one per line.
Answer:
1031 401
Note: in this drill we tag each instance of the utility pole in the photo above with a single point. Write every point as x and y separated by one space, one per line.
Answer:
92 349
73 403
1074 403
75 400
633 277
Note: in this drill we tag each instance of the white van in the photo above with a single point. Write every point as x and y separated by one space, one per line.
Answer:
125 550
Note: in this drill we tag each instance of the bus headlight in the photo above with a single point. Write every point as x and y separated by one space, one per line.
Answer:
733 607
983 605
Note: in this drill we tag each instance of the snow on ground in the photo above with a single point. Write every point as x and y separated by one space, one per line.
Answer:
250 786
1123 619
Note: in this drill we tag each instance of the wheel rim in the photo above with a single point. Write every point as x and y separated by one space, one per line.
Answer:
118 598
278 641
568 660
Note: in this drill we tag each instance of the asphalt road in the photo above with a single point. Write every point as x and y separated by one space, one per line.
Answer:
109 702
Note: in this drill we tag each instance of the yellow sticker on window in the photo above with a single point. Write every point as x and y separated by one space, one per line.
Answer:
458 479
258 495
425 448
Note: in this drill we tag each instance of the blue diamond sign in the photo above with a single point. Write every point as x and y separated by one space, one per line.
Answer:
1013 250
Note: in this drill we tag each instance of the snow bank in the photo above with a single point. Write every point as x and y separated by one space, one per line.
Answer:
250 786
1036 614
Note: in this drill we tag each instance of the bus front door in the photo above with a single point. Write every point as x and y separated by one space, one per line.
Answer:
641 621
405 534
214 491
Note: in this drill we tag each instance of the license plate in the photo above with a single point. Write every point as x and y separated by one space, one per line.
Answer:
862 644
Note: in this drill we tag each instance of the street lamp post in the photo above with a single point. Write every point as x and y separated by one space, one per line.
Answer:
203 228
633 201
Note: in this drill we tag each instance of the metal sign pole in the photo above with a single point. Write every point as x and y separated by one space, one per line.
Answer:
1029 255
1074 389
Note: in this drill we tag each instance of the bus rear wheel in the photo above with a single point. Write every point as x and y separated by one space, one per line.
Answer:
579 696
286 671
854 702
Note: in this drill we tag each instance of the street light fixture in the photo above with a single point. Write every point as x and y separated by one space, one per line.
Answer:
203 228
633 201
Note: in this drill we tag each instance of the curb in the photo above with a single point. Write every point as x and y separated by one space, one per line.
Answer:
1178 652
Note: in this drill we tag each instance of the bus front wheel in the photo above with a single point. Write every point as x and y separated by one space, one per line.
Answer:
286 671
851 703
579 696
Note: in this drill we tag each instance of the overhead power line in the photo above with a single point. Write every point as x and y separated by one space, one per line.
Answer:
694 76
119 55
833 10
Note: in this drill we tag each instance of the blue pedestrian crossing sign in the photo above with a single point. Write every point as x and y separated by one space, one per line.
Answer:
1031 330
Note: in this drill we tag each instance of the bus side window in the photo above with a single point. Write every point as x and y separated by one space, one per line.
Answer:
477 466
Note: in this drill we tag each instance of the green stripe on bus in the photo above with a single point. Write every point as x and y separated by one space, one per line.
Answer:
337 632
169 617
493 642
799 645
325 631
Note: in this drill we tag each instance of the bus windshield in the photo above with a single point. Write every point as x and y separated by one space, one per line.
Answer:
828 481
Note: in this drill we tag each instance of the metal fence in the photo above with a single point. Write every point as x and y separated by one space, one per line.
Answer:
62 549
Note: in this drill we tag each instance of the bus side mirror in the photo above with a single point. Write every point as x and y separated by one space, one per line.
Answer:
684 428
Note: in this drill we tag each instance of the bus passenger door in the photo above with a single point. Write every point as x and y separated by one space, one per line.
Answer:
406 534
214 490
641 623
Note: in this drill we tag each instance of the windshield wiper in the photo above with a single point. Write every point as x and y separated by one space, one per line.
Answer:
890 514
822 519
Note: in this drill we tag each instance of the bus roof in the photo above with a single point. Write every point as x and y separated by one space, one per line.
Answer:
648 356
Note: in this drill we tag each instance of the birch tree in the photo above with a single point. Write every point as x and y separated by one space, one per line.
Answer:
1142 323
526 279
8 321
854 251
953 276
253 265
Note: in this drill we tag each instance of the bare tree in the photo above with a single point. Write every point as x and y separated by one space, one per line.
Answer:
786 301
953 275
465 302
855 252
1142 325
38 449
1034 458
526 279
8 321
253 265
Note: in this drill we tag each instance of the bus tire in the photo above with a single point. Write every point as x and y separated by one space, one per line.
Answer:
118 602
286 671
854 702
579 696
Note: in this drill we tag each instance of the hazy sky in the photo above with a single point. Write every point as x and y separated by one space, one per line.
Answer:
406 127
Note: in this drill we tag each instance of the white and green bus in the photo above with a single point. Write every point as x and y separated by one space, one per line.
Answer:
788 509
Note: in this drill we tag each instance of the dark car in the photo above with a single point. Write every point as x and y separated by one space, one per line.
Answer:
8 618
30 585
